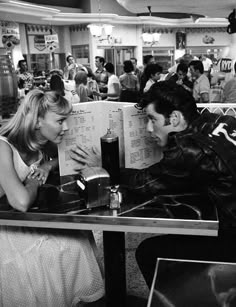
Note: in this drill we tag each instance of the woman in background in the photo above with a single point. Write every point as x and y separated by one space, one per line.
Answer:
129 84
81 86
92 85
113 85
57 84
40 267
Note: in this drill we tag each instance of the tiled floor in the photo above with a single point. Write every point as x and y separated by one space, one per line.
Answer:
137 289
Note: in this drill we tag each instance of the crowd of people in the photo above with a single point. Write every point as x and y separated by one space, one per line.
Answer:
194 74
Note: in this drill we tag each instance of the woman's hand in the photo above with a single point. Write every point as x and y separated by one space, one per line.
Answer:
29 181
40 173
85 157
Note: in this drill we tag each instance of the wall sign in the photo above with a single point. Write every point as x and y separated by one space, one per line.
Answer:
10 34
51 42
225 65
207 39
180 40
39 42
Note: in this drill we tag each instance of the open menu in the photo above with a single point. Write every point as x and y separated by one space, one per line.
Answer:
89 121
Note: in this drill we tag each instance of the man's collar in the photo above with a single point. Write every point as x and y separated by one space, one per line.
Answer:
100 70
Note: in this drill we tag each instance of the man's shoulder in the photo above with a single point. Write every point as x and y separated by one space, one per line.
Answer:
203 78
210 132
221 128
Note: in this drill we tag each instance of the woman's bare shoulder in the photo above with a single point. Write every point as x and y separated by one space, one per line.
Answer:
5 148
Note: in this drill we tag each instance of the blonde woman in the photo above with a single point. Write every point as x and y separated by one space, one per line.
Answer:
40 267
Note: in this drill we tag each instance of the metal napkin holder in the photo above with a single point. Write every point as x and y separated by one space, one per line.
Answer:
94 186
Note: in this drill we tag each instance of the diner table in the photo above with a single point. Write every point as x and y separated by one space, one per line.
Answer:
166 214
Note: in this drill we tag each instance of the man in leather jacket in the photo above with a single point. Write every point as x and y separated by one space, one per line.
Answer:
199 155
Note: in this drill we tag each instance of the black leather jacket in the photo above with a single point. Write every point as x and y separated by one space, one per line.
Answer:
200 159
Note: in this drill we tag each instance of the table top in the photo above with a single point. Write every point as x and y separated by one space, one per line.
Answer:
173 214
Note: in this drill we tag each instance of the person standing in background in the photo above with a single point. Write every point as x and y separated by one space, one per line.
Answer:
153 73
129 84
25 78
136 70
57 84
71 68
92 85
113 86
207 65
229 91
81 86
101 75
147 59
201 85
181 78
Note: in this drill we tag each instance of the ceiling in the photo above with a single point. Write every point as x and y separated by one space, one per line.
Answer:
172 13
210 8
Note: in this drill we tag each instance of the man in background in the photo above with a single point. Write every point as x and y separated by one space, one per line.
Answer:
201 85
101 75
71 68
25 79
136 71
181 77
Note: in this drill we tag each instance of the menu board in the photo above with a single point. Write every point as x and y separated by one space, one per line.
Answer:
89 121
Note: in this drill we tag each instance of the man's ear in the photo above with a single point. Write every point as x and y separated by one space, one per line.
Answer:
176 118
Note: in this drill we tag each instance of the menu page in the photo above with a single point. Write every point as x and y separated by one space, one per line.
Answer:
140 150
87 123
84 130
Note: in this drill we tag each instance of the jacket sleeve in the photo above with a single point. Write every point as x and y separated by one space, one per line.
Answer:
183 169
171 174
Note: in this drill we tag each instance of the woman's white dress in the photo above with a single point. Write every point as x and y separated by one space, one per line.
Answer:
46 267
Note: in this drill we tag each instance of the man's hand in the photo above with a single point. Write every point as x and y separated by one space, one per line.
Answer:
85 157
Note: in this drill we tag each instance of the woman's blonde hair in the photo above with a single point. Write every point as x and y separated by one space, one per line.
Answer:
21 128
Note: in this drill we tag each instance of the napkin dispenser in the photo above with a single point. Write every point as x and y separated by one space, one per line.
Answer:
94 186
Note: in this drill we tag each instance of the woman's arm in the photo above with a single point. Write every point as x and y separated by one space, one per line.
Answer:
20 195
43 170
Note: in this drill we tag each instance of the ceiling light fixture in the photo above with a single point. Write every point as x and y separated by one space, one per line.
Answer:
98 29
149 37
